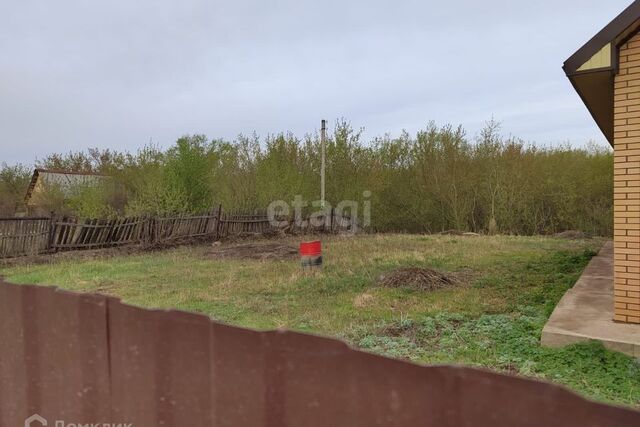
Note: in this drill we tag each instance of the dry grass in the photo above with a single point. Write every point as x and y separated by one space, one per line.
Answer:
419 278
275 292
492 318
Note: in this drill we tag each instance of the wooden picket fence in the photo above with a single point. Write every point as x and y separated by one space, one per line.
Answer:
94 233
34 236
24 236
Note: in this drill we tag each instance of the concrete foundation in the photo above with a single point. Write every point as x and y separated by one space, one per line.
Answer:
585 312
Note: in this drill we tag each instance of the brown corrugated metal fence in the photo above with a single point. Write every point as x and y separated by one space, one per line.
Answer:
80 358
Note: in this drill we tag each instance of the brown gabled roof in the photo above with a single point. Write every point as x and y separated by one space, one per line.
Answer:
55 172
595 86
65 172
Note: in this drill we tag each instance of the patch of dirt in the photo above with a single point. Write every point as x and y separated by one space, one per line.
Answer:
397 330
254 251
272 234
510 369
572 234
72 256
363 300
424 279
132 249
451 233
457 233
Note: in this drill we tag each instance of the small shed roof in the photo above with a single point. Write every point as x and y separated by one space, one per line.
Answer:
593 67
65 180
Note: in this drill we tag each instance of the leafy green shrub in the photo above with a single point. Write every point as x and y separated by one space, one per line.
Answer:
437 180
92 201
13 186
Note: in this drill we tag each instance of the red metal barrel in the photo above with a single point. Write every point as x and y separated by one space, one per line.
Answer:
311 254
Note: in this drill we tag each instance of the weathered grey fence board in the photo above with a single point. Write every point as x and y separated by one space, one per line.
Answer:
24 236
32 236
96 233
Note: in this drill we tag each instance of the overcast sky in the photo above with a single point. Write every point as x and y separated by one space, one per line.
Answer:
116 74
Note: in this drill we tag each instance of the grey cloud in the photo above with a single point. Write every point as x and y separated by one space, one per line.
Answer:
76 74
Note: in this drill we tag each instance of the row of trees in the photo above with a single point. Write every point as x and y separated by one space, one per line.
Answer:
437 180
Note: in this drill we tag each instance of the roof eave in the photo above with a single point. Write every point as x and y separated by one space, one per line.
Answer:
608 34
596 87
604 117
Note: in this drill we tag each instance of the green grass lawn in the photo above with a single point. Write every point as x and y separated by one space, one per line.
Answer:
492 319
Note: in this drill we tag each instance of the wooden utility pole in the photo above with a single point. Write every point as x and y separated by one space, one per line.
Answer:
323 131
